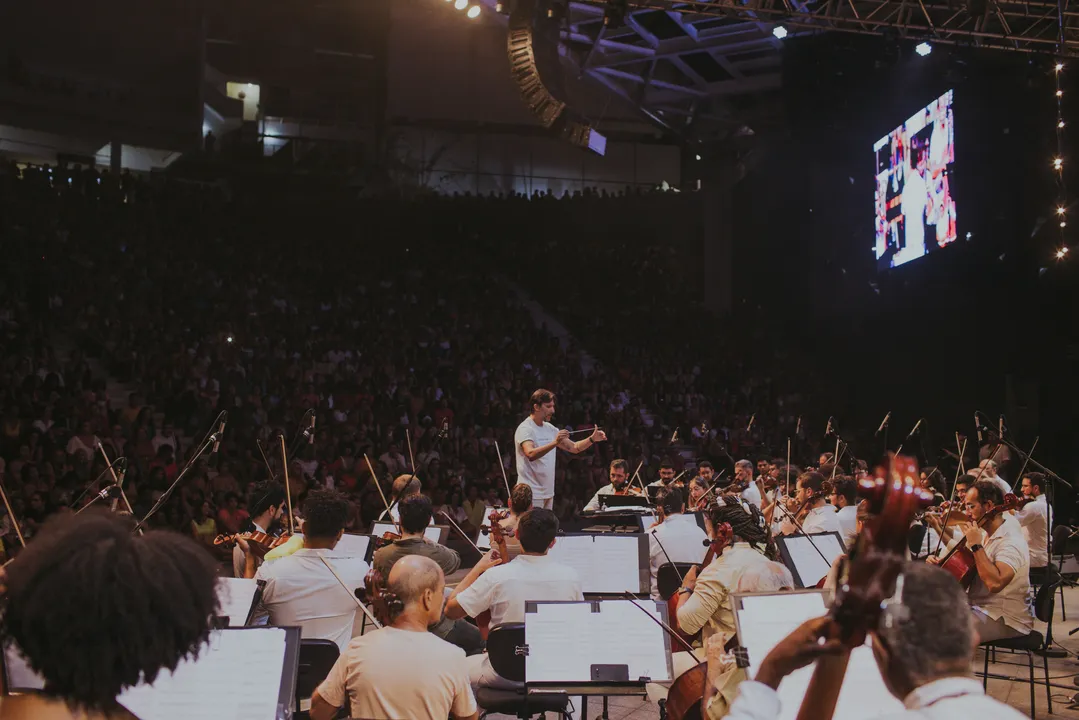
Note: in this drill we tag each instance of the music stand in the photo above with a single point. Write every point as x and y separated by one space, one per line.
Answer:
237 599
598 648
800 555
434 533
621 501
607 564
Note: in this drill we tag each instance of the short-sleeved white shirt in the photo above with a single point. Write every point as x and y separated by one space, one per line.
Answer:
1007 545
393 673
537 474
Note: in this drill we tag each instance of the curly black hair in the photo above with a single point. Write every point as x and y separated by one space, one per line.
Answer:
265 495
325 513
95 609
747 522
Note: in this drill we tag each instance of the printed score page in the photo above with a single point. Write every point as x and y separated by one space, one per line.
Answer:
238 675
566 639
236 596
764 620
811 566
432 532
604 563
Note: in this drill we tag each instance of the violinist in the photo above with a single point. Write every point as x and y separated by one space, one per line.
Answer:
401 671
697 490
520 503
267 508
998 594
924 658
619 474
677 538
743 478
666 475
813 490
504 588
1036 519
403 486
300 589
845 499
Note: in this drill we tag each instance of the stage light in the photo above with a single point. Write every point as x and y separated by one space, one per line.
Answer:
1063 224
698 157
1062 252
780 32
1060 211
474 12
1057 162
923 49
1059 67
1060 93
460 4
1060 124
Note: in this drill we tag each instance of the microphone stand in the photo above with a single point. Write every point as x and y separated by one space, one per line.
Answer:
206 445
108 469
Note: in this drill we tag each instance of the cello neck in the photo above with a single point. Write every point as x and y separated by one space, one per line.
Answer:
822 695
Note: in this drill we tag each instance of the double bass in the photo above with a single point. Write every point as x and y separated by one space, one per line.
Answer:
866 594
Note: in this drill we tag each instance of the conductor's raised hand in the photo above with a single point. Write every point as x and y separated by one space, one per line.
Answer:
598 436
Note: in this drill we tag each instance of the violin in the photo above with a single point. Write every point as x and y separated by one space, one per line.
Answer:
261 541
628 489
686 694
867 588
384 604
498 535
387 538
960 561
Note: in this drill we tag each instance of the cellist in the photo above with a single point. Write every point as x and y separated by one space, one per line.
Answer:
998 595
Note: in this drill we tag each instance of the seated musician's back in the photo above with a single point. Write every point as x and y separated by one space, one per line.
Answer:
301 590
401 671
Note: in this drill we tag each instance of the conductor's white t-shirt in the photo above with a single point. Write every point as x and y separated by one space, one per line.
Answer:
537 474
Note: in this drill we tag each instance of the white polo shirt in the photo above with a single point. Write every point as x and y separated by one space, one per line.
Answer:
1006 545
537 474
848 524
682 538
1036 519
301 590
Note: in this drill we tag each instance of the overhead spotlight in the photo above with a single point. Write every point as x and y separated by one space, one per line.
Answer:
1059 67
698 157
780 32
460 4
1057 162
1063 224
1060 211
1060 93
1062 252
1060 124
923 48
473 12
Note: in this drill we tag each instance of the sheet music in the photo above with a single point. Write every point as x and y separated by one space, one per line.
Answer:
604 563
353 545
764 620
237 676
236 595
811 566
432 533
566 639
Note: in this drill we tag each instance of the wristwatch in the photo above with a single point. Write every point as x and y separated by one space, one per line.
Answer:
684 591
976 547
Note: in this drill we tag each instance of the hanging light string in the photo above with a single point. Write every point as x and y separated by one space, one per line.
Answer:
1058 161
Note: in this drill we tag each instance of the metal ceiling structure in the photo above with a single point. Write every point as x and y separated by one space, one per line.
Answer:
690 59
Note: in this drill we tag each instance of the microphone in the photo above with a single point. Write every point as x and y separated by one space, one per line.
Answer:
311 430
798 426
916 426
978 427
220 431
674 437
883 424
751 419
1000 426
828 430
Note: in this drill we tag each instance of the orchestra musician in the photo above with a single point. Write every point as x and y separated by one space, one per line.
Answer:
619 474
403 486
94 607
504 588
534 441
300 590
810 499
697 490
845 500
666 475
677 538
707 472
1036 519
924 657
267 515
520 503
743 477
988 468
415 517
998 595
401 671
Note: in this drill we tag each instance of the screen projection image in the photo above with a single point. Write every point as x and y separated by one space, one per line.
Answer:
915 207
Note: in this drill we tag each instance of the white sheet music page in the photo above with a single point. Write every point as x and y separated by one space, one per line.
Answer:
353 545
236 596
766 619
566 639
237 676
604 563
811 566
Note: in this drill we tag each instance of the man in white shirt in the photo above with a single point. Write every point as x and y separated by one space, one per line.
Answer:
267 507
504 588
821 517
845 498
301 590
666 475
405 485
989 472
743 473
1036 519
401 671
998 594
677 538
924 658
534 442
619 474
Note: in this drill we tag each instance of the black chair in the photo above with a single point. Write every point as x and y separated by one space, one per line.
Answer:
669 577
1029 643
316 660
506 652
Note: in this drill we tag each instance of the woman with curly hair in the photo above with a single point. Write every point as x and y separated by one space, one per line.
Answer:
95 609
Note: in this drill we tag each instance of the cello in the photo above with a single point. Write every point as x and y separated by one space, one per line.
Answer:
866 594
722 535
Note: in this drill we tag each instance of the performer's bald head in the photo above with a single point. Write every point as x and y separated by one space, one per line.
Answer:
405 485
412 575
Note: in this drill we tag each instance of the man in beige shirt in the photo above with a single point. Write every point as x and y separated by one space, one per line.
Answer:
401 671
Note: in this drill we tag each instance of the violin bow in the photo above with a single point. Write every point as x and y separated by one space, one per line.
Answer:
502 466
951 496
665 626
788 465
807 536
351 593
981 471
456 527
638 477
1023 469
288 489
374 479
710 490
411 459
10 514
